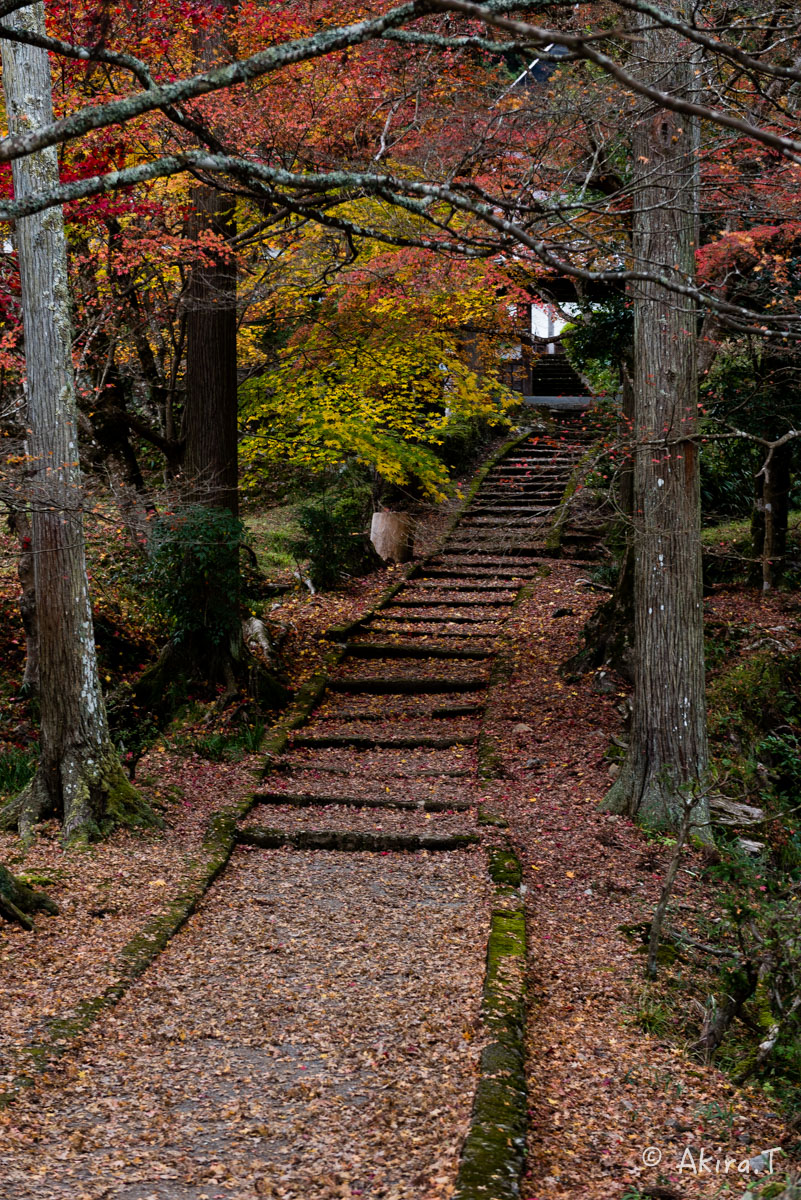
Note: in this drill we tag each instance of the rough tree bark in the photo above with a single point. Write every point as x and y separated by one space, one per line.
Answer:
210 424
79 778
210 444
210 415
668 747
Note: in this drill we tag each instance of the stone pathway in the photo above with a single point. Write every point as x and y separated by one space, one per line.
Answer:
385 750
313 1031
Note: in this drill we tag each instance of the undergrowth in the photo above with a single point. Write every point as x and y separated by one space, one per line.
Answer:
731 984
17 766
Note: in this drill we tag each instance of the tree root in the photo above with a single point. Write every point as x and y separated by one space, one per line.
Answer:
18 901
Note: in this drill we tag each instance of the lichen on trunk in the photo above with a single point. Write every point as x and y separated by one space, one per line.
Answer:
668 755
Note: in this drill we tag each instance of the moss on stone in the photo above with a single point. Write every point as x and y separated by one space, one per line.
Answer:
490 762
353 841
487 817
553 540
493 1153
504 868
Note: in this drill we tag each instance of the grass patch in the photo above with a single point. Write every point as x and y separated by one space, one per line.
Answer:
273 532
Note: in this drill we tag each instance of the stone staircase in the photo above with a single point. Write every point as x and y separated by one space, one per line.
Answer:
398 726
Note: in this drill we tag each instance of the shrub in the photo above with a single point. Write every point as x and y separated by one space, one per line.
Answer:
334 538
194 572
17 767
728 473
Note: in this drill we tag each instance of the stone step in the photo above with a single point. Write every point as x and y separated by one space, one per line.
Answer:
475 572
464 598
427 618
359 741
401 713
556 464
415 630
457 602
502 562
399 650
352 840
319 800
451 583
511 509
288 768
494 523
532 549
533 497
521 489
423 684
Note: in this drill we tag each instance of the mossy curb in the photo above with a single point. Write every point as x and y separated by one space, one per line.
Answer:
490 756
486 816
137 955
493 1153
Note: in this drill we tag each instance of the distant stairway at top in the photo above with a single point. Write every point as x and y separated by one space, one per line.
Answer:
555 384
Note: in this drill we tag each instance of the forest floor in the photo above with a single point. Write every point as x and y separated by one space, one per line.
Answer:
607 1097
610 1077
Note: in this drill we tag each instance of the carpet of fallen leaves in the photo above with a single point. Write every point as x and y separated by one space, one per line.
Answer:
604 1095
310 1032
369 969
109 892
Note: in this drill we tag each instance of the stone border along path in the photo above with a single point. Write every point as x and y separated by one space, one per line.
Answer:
387 763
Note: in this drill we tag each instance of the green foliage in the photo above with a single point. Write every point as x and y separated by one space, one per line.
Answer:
463 438
223 745
17 767
728 471
272 533
601 342
194 572
651 1014
334 531
759 901
755 695
755 388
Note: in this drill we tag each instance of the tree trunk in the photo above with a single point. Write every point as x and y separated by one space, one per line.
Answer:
668 748
210 415
210 424
79 778
771 513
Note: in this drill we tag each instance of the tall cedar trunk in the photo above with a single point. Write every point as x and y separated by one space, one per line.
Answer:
79 778
210 416
210 461
668 748
210 420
